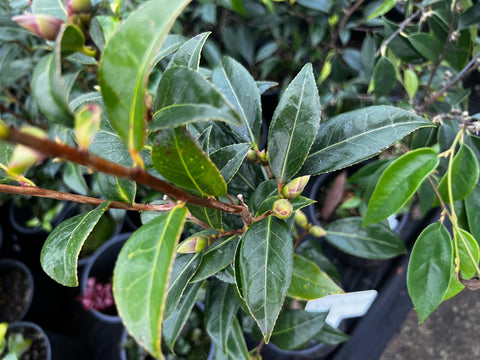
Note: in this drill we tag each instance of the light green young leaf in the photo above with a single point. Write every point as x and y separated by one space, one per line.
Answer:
399 182
355 136
309 282
384 77
185 96
141 277
239 87
132 48
429 269
468 252
376 241
264 269
61 249
294 125
48 89
178 158
410 82
188 54
465 172
472 207
384 8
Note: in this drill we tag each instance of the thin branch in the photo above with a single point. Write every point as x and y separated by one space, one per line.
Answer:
57 195
402 27
96 163
472 65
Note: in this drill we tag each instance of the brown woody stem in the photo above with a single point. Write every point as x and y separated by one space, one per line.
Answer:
97 163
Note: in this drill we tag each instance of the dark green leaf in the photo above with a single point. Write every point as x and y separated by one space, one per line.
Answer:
73 179
311 249
132 48
323 6
427 45
331 336
384 77
188 54
429 269
399 182
384 8
471 17
265 263
295 328
209 216
71 40
220 308
309 282
472 206
175 322
184 266
354 136
464 176
294 125
375 241
48 90
266 189
468 253
140 278
216 257
61 249
178 158
239 87
229 159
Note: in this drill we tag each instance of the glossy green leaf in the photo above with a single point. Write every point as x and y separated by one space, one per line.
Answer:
185 96
427 45
220 309
465 172
384 77
141 276
295 328
239 87
175 322
229 159
384 8
188 54
312 250
472 207
50 7
73 179
184 266
375 241
429 269
410 82
265 263
171 44
294 125
48 89
132 49
399 182
354 136
468 252
236 346
297 203
331 336
216 257
266 189
211 217
71 40
61 249
454 286
179 159
309 282
108 144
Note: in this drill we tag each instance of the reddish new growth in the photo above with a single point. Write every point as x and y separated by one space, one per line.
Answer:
97 296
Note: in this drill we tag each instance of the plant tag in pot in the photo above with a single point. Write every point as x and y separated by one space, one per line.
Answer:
343 306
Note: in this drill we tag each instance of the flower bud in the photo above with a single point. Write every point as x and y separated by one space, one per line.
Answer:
87 123
295 187
252 156
317 231
45 26
78 7
24 157
193 244
282 209
301 219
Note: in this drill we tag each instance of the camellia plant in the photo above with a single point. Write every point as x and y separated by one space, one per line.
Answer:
128 105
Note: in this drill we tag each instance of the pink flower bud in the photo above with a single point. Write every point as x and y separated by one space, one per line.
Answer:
282 209
78 7
193 244
45 26
87 123
295 187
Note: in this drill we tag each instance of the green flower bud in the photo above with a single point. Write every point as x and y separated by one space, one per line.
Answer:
252 156
282 209
87 123
317 231
301 219
78 7
4 132
24 157
45 26
193 244
295 187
